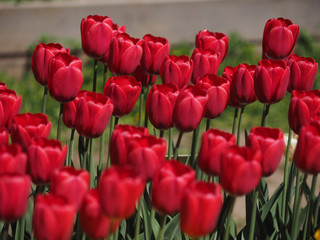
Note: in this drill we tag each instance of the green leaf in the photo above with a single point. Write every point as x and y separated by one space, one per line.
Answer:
224 214
123 229
265 210
172 228
146 219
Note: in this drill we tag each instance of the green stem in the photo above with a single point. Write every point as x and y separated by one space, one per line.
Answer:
138 220
170 143
22 223
116 234
44 100
161 133
116 120
91 164
208 124
253 214
227 230
101 152
194 146
110 230
95 70
176 148
161 231
141 107
85 159
236 111
265 114
4 232
110 133
239 125
146 97
105 74
70 150
59 122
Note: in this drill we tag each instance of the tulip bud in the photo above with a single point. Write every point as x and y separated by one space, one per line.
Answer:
12 159
228 74
10 105
141 76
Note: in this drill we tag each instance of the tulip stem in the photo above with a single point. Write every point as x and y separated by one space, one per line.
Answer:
227 230
22 223
208 124
236 111
253 213
170 143
161 133
194 146
116 120
85 159
59 121
138 221
91 164
100 166
105 74
239 126
141 107
146 97
44 100
175 150
110 133
161 231
265 113
95 69
70 151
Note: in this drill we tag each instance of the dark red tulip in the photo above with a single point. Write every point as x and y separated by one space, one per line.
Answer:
240 169
41 57
214 142
271 144
177 70
119 190
70 184
124 54
120 138
228 74
70 113
65 77
160 105
201 208
190 108
96 35
4 135
271 79
53 218
3 86
155 49
218 90
143 77
169 186
303 72
124 92
279 38
10 105
215 41
12 159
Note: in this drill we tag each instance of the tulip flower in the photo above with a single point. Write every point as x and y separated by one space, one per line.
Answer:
214 142
124 54
42 55
119 190
65 77
3 86
96 35
4 135
169 186
201 208
155 50
271 144
214 41
53 218
190 108
271 79
123 92
177 70
160 104
279 38
141 76
12 159
10 105
303 72
70 112
228 74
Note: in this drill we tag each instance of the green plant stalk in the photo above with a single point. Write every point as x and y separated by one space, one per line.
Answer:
161 133
116 120
101 152
22 223
91 164
70 150
138 220
265 114
236 110
110 230
110 133
227 230
59 122
146 97
85 158
105 74
141 107
44 100
239 125
208 124
170 143
253 214
95 70
194 146
161 231
116 234
175 150
4 232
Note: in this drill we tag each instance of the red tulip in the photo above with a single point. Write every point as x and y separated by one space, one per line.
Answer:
65 77
271 144
279 37
218 90
119 190
169 186
177 70
271 80
240 169
124 54
214 41
228 74
123 92
141 76
70 184
201 208
93 222
12 159
14 194
4 135
3 86
155 49
45 156
70 112
96 35
303 72
10 105
120 138
190 108
42 55
53 218
160 105
214 142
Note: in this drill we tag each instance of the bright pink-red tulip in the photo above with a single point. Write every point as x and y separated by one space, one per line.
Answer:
4 135
10 105
228 74
12 159
143 77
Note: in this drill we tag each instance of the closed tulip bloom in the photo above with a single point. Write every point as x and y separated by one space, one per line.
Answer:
124 92
70 184
120 138
271 79
93 114
141 76
119 190
96 35
12 159
27 126
14 194
218 90
303 72
215 41
124 54
303 105
240 169
146 155
42 55
4 135
169 186
160 105
271 144
279 38
44 157
201 208
10 105
70 113
3 86
204 62
53 218
65 77
177 70
228 74
92 221
190 108
155 49
213 143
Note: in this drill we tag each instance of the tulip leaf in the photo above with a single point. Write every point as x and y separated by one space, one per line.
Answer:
154 223
275 197
146 219
172 227
224 214
81 149
123 229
